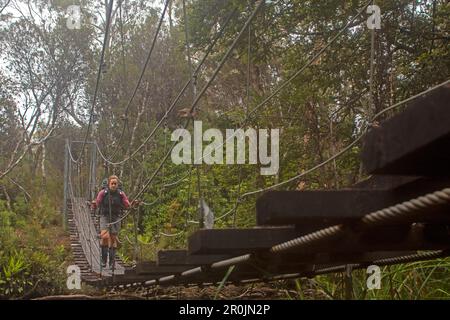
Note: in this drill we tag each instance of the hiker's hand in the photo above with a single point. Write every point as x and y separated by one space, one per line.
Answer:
135 203
93 205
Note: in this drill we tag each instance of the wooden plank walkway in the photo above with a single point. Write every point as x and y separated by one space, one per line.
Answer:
85 243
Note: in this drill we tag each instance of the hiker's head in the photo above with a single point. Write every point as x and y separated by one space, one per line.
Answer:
113 183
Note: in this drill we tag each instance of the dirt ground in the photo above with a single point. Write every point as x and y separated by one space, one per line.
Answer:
259 291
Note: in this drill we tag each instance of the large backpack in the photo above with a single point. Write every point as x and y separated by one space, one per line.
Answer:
116 202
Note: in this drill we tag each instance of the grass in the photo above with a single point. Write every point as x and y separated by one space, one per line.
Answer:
412 281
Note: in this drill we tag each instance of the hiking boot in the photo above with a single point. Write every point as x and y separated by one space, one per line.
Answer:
104 256
112 256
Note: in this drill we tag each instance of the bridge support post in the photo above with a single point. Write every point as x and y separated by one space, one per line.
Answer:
348 282
66 181
93 174
201 211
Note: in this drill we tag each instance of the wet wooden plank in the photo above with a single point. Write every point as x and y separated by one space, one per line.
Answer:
182 257
151 267
318 209
236 241
415 141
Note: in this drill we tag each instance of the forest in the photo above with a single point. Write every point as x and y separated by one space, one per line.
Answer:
119 85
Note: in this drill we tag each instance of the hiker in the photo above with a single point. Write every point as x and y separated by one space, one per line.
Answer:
111 201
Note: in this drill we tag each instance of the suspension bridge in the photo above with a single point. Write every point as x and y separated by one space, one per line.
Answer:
398 215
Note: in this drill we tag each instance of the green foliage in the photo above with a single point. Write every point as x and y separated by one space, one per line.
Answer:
322 111
15 274
319 113
417 280
31 260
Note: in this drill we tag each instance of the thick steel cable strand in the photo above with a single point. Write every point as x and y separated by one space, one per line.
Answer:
99 74
152 46
194 104
380 262
412 257
349 146
333 269
309 238
293 76
386 261
206 86
274 93
408 207
232 261
265 101
423 202
398 211
177 98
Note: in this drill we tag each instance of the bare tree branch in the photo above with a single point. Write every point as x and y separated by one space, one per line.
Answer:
6 4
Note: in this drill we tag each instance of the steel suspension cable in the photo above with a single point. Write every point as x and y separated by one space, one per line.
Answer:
296 74
152 46
351 144
99 73
206 86
341 152
197 99
282 86
177 98
276 91
372 63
